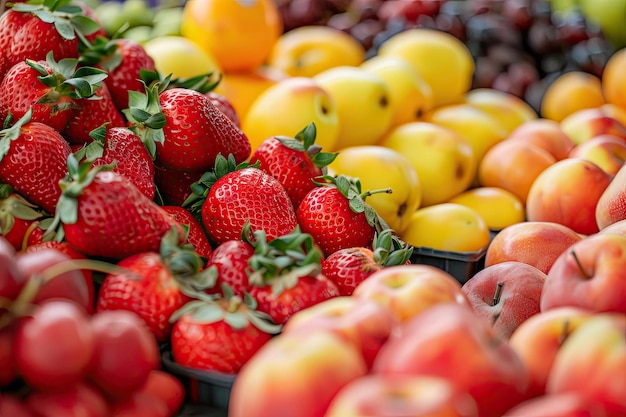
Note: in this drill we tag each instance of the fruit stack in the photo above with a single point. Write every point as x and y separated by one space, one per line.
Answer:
264 222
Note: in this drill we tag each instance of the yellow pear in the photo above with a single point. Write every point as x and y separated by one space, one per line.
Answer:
363 104
287 107
379 167
410 96
444 161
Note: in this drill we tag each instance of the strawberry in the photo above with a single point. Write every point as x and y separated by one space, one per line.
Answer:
174 186
121 147
154 284
286 275
31 30
225 106
18 217
348 267
90 114
123 59
33 159
195 233
103 214
294 162
229 263
336 215
49 88
231 195
219 336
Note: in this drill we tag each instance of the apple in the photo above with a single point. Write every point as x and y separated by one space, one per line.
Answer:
380 395
295 375
545 133
591 274
443 159
535 243
608 15
567 192
450 341
592 360
365 323
611 206
510 110
362 101
506 294
584 124
567 404
538 340
606 151
299 101
408 290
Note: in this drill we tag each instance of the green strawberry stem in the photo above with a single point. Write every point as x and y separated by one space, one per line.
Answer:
12 132
304 141
146 116
389 249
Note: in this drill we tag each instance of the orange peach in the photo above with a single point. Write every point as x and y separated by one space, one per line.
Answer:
567 192
535 243
587 123
611 207
547 134
570 92
606 151
513 166
614 79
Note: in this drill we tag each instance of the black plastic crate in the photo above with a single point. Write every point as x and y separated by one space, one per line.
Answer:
461 265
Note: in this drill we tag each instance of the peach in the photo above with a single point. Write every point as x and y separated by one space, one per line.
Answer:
587 123
546 134
535 243
567 192
570 92
508 109
513 166
611 206
613 79
618 227
566 404
606 151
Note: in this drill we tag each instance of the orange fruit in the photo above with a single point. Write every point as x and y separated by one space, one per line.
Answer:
614 79
239 34
570 92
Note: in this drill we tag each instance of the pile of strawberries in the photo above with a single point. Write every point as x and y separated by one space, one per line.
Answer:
150 182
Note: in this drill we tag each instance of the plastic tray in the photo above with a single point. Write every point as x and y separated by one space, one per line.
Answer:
461 265
204 388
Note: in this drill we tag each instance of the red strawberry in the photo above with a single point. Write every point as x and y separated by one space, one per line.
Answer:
225 106
230 264
219 336
104 214
123 59
348 267
195 235
153 284
72 253
31 30
121 147
90 114
18 217
174 186
294 162
49 88
33 159
232 195
286 275
336 215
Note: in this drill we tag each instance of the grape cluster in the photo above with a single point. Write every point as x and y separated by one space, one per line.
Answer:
519 46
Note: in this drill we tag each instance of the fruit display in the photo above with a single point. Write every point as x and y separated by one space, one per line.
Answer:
312 208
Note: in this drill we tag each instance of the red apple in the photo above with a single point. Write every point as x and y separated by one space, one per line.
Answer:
407 290
380 395
584 124
592 361
569 404
567 192
545 133
535 243
506 294
365 323
611 206
591 274
295 375
606 151
538 339
449 340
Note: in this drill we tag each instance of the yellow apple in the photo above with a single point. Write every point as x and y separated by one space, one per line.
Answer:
363 104
444 161
288 106
410 95
172 54
379 167
510 110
